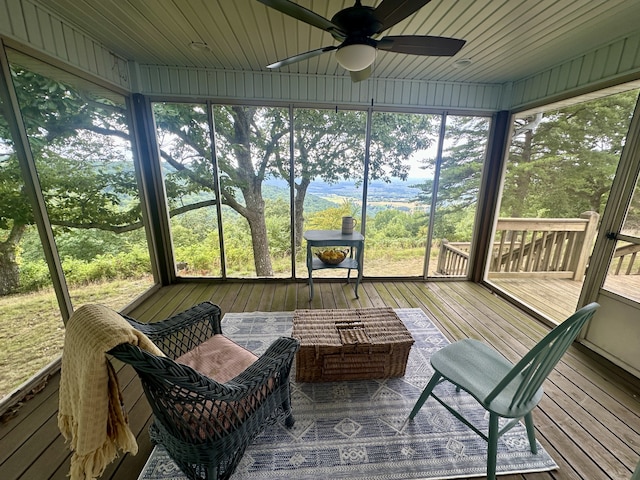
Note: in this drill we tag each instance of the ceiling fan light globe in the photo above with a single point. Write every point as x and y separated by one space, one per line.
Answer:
356 57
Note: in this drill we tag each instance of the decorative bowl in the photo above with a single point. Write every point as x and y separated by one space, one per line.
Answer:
332 256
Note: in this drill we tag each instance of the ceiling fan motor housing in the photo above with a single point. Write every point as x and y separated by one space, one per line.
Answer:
358 23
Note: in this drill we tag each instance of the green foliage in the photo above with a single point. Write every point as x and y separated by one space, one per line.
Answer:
456 225
278 224
331 218
132 264
564 165
395 137
462 162
201 257
392 227
88 244
34 275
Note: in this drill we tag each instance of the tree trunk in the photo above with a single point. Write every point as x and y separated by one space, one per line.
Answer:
524 180
250 184
259 240
9 269
298 206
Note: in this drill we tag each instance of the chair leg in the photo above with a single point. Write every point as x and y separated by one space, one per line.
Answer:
286 406
492 450
289 421
425 394
531 432
212 473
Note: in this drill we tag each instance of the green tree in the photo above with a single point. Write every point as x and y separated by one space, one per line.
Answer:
83 191
562 163
460 173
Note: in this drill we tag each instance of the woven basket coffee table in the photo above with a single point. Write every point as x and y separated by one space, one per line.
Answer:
355 344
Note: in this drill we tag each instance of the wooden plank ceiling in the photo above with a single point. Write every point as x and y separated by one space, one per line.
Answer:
507 40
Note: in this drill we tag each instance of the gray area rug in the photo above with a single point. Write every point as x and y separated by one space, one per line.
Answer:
355 430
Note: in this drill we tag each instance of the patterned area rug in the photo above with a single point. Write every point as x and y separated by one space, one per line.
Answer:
355 430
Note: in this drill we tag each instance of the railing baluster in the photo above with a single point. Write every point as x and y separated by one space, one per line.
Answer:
569 253
523 238
531 253
559 251
549 250
509 262
631 261
500 250
619 265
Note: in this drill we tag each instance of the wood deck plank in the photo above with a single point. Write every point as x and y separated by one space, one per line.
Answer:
168 304
291 297
374 299
385 295
253 300
324 290
17 430
586 429
278 302
266 299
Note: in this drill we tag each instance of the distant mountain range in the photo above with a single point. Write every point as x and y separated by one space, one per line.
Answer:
394 191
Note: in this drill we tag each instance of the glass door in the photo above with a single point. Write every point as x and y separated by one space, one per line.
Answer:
613 278
623 274
559 177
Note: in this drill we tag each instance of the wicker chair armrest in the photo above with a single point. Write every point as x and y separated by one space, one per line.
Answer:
183 332
275 361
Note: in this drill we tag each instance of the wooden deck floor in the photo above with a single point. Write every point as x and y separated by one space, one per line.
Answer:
588 420
536 292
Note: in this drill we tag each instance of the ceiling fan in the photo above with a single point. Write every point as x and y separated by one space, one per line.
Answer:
355 28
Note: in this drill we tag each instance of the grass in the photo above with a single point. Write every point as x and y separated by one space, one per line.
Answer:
32 331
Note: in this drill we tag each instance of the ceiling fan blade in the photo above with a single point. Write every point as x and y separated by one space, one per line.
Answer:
390 12
421 45
304 15
361 75
301 56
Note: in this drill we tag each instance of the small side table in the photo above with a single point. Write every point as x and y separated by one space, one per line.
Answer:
334 238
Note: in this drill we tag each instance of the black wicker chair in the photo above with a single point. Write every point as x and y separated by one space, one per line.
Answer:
205 425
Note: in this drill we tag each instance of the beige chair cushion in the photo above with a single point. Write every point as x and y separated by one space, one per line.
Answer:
218 358
221 359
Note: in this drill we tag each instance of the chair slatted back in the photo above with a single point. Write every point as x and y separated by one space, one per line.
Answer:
531 371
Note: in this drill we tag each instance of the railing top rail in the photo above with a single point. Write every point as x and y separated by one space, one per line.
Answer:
549 224
626 250
543 220
454 249
544 224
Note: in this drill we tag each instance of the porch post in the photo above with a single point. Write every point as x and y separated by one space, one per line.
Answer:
153 194
489 200
586 245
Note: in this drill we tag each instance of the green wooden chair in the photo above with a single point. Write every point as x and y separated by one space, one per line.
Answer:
636 472
503 389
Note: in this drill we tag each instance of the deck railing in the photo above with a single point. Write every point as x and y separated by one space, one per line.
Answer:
453 259
626 260
539 247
